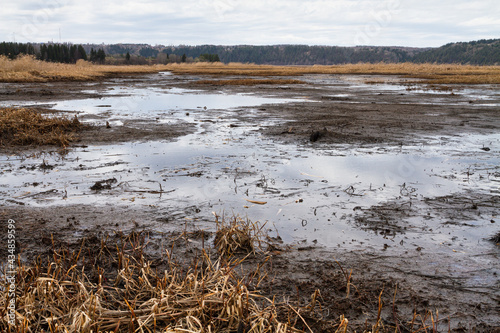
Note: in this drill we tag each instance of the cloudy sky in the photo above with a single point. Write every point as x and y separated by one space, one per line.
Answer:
228 22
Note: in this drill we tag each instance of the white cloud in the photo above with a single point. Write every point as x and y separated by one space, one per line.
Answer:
342 22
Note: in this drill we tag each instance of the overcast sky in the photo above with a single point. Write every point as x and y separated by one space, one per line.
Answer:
259 22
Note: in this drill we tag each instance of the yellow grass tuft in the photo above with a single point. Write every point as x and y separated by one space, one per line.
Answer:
236 235
30 127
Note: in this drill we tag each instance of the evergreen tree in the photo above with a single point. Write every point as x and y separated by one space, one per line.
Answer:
183 58
93 55
101 56
81 53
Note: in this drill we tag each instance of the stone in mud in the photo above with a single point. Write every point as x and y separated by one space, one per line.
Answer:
316 135
103 184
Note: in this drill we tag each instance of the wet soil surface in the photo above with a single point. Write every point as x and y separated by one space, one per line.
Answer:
388 178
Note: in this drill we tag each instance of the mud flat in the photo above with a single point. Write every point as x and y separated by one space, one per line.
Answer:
393 181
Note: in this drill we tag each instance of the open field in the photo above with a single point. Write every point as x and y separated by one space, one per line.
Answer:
27 69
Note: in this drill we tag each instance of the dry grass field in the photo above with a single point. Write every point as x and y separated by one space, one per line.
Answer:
439 74
28 69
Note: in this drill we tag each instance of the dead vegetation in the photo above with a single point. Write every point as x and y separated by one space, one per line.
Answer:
432 73
120 284
22 126
108 287
238 236
28 69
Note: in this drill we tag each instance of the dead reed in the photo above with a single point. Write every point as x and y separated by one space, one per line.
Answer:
236 235
113 287
30 127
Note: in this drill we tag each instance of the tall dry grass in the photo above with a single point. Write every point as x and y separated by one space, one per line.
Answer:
28 69
433 73
113 287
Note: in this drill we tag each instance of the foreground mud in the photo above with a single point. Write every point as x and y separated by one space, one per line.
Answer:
425 250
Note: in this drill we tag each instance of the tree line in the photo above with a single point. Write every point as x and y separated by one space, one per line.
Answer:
64 53
12 50
481 52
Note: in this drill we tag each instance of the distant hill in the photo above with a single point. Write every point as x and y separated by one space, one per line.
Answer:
270 54
481 52
299 54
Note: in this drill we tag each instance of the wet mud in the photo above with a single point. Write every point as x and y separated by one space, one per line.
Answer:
391 180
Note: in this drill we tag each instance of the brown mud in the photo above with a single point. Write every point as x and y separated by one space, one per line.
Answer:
413 284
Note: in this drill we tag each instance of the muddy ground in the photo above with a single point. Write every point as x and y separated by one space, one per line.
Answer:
411 282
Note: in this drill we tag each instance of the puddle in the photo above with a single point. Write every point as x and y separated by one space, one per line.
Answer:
133 102
310 194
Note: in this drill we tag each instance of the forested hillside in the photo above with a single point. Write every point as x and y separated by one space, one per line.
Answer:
481 52
297 54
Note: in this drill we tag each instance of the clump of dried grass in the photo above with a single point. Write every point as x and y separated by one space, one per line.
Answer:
248 82
236 235
115 288
22 126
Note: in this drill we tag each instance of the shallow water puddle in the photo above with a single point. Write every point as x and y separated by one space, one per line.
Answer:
308 194
361 88
133 102
351 197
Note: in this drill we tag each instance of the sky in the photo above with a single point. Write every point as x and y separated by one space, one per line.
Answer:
419 23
